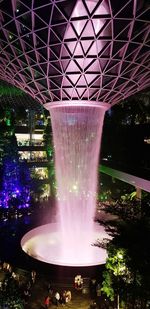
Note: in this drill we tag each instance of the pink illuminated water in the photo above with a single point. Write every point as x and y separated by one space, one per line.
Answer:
44 243
77 134
77 131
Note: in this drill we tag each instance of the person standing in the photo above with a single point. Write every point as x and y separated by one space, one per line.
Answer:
33 275
47 302
57 297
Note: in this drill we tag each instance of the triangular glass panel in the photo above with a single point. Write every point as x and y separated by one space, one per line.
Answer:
87 63
119 49
88 30
78 51
66 82
40 41
90 78
80 62
74 78
42 52
70 32
103 92
41 59
86 44
106 31
75 94
42 10
71 46
57 17
37 73
109 85
57 65
64 95
39 86
98 24
23 30
69 91
103 9
94 66
105 51
64 51
79 25
39 23
67 8
82 81
27 72
56 48
53 71
80 91
97 83
11 28
54 39
72 67
140 35
121 30
91 92
53 84
124 11
91 5
93 50
56 95
120 82
131 51
43 82
79 10
95 95
143 56
60 30
64 64
113 68
86 94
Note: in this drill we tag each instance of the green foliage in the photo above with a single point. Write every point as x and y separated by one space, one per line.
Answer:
47 138
128 263
11 296
107 285
116 263
116 272
8 90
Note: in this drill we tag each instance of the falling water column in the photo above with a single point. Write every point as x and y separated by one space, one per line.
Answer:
77 130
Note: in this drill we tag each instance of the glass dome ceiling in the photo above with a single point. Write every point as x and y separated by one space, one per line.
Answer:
64 50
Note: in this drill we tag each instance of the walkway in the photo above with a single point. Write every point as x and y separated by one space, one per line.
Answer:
39 290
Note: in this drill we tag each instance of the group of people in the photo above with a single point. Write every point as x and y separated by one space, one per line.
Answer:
57 298
24 285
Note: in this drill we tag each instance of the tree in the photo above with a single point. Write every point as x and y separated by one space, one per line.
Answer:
115 274
15 180
11 296
47 138
129 232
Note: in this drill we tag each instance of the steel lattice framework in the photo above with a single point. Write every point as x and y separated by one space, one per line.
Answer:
62 50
